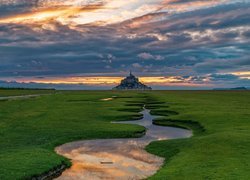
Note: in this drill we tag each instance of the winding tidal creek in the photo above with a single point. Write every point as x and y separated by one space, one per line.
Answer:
122 159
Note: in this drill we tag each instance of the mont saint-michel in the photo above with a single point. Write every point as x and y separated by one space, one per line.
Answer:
131 83
70 109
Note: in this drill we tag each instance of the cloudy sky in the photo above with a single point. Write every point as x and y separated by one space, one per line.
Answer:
93 43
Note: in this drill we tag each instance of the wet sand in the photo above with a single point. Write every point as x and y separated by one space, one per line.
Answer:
118 158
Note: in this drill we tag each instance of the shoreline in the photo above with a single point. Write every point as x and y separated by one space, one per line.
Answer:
51 174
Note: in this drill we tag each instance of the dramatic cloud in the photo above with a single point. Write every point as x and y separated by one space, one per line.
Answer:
189 40
148 56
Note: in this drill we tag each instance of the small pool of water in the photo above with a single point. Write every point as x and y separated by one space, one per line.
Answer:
107 99
118 158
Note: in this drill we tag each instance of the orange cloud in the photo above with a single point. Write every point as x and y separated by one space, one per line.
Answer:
100 12
111 81
182 5
46 15
242 74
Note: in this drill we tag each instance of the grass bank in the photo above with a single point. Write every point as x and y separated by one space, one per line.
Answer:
19 92
222 151
30 129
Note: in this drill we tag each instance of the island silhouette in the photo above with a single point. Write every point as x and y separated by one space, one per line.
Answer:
131 82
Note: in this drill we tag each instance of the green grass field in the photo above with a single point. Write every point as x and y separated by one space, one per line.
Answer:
222 151
30 129
19 92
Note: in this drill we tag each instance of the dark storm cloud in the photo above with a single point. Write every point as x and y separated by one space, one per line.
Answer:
223 77
216 65
229 81
222 16
8 7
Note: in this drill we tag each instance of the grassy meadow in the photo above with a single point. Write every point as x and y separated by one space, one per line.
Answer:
30 129
222 151
20 92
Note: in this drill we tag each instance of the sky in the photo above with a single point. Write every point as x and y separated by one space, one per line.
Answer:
93 44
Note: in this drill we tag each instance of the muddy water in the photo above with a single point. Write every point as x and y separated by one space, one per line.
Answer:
118 158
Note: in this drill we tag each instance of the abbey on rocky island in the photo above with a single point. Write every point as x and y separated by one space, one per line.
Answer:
131 83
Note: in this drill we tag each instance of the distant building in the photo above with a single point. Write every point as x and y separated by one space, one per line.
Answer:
131 83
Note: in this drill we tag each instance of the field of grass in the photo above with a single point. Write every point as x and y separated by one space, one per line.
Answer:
222 151
19 92
31 128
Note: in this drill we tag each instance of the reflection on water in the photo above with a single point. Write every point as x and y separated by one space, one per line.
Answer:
107 99
118 158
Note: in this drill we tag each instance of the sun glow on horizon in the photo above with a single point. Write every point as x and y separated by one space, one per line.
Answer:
93 42
112 81
242 74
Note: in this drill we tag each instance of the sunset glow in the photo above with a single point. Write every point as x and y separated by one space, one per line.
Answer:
198 43
103 11
243 75
111 81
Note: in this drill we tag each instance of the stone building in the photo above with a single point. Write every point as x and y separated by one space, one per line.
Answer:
131 83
